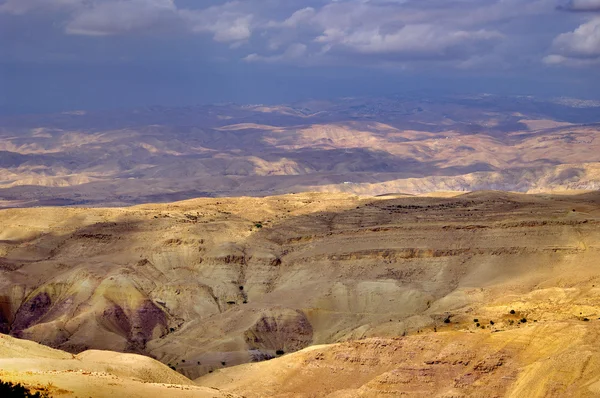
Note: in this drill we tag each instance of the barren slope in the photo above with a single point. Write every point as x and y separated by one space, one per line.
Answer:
210 283
92 373
545 359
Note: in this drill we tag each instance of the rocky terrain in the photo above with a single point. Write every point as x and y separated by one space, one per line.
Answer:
366 146
433 295
93 373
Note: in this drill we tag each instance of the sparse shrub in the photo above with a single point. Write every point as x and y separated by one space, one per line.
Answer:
475 320
477 324
258 225
524 320
586 320
241 287
279 352
491 322
172 367
512 312
223 363
10 390
198 362
171 330
183 360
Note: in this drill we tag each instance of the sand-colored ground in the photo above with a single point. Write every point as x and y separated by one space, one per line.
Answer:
558 359
389 289
92 373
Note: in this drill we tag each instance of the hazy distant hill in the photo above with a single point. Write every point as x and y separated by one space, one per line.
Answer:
356 145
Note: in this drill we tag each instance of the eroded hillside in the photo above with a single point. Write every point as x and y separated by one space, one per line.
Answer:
92 373
211 283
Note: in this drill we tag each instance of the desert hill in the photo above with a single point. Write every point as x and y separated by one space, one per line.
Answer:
557 359
92 373
359 146
207 284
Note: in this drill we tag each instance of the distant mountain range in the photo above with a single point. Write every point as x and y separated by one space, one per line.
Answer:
357 145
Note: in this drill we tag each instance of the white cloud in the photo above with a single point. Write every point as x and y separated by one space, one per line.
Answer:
413 40
579 47
116 17
304 15
555 60
401 29
225 22
454 33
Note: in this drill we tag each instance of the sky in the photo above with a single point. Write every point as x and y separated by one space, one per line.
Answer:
101 54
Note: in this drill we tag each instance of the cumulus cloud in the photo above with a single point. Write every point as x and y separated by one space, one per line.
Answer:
116 17
423 40
225 22
458 33
579 47
304 15
555 59
403 29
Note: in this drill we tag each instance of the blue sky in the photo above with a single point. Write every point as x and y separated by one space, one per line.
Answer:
78 54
